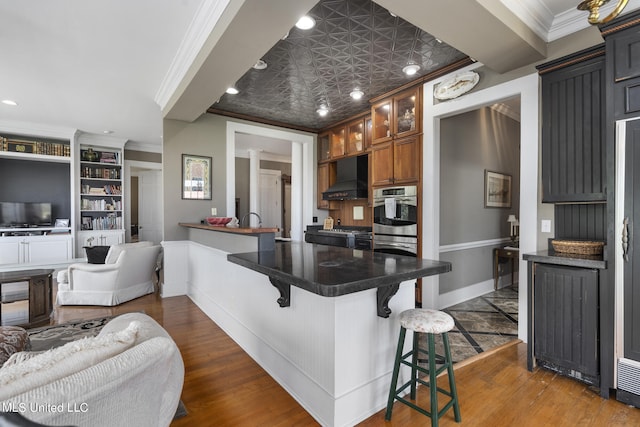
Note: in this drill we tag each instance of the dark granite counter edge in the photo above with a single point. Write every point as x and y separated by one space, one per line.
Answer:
346 288
570 260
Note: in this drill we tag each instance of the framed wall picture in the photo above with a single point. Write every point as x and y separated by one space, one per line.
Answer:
196 177
497 190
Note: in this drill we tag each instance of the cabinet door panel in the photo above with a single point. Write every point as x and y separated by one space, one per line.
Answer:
406 160
10 250
382 164
324 182
39 299
381 122
573 152
566 318
626 56
48 249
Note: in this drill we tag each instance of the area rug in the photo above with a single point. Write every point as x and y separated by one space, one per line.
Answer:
47 337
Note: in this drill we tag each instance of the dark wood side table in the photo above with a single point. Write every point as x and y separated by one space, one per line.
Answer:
502 253
40 302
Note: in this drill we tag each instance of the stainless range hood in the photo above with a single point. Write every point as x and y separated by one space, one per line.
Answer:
351 179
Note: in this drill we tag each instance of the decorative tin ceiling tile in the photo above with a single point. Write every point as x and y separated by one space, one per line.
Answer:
355 44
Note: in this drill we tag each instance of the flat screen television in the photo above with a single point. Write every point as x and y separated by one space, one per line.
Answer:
20 214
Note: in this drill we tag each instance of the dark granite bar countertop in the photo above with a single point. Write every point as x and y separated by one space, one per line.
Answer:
571 260
332 271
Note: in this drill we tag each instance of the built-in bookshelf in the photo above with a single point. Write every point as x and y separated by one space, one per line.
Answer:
41 147
101 189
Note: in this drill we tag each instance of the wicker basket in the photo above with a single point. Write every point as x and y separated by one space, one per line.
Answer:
577 247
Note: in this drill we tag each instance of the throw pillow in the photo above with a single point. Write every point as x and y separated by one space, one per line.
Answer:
63 361
12 340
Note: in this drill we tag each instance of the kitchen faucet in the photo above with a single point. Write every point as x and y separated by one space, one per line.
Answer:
251 213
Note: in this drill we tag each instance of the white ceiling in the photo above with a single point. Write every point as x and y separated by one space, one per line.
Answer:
102 66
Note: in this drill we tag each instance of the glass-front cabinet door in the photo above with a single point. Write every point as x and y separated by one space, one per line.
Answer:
337 142
406 108
355 137
381 121
324 151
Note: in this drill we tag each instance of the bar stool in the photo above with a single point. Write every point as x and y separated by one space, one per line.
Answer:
430 322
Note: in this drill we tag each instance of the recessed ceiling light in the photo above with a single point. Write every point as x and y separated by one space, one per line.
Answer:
356 94
232 91
260 65
107 132
9 102
322 111
411 68
306 23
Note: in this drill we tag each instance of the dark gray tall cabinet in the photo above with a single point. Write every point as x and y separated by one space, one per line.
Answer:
567 296
622 38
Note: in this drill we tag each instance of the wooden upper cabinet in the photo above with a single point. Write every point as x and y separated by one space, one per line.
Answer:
324 147
381 121
406 160
382 164
355 137
396 162
337 142
573 132
368 130
406 113
397 116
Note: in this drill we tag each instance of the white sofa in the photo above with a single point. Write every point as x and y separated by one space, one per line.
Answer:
126 274
131 374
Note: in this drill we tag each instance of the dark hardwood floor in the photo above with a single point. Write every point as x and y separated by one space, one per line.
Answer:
225 387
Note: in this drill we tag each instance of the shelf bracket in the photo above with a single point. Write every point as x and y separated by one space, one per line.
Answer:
384 294
284 289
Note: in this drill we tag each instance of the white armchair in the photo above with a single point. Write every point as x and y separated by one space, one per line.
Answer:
126 274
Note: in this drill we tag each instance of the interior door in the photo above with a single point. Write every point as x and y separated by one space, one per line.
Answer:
150 206
271 199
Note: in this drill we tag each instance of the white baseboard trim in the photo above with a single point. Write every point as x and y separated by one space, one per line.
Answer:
465 294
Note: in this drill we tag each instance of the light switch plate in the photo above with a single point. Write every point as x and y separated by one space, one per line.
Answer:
545 226
214 211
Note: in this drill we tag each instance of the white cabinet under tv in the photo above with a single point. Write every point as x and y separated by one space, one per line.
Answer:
36 249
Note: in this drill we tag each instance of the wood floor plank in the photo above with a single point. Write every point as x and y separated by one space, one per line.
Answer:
225 387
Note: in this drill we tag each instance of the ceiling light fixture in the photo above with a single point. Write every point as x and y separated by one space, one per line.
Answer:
232 90
322 111
9 102
260 65
593 6
107 132
356 94
411 68
306 23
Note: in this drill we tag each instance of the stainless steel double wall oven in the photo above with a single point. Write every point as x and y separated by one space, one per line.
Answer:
395 220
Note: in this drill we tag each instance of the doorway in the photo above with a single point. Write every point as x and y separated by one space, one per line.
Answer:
527 89
143 201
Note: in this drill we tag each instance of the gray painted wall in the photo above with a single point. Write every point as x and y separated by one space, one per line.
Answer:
205 136
471 143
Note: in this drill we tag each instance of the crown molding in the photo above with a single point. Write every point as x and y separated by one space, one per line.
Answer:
199 30
534 14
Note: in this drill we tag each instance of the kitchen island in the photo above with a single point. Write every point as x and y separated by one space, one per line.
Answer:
336 271
327 345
